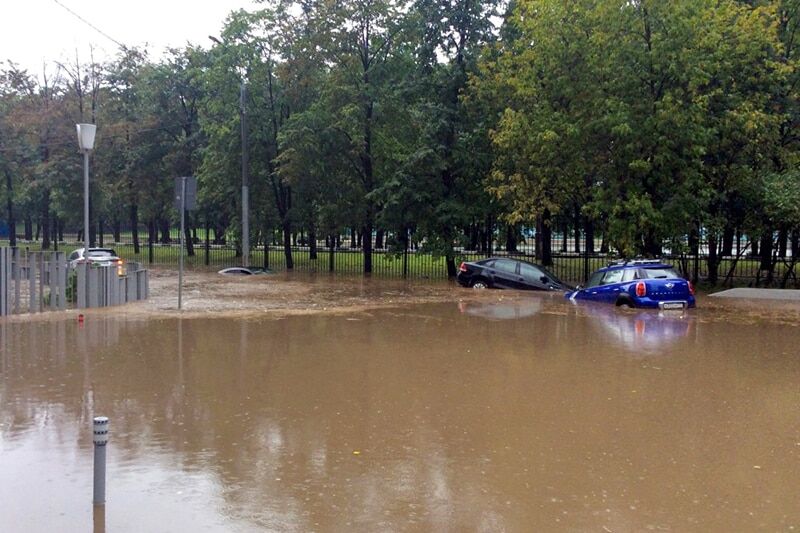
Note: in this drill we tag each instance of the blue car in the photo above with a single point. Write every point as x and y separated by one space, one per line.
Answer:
639 283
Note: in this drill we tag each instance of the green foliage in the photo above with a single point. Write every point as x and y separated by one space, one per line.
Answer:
650 121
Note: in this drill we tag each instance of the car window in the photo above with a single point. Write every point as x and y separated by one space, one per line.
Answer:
505 265
487 263
73 256
530 272
612 276
101 253
595 279
660 273
630 274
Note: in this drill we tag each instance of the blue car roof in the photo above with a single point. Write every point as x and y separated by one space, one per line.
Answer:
634 265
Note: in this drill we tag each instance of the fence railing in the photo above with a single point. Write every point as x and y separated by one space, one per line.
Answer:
414 264
36 281
104 286
32 281
572 268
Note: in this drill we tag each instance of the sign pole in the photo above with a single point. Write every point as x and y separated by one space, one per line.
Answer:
183 232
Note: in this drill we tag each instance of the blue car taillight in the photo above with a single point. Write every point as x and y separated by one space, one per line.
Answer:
641 289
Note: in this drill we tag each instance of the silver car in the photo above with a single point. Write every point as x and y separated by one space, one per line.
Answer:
95 257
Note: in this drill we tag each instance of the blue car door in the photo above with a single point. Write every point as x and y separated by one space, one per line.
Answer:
611 286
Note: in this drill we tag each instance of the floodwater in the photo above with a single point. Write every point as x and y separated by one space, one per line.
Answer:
480 412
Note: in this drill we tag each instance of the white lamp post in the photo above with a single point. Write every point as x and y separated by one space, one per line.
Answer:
86 143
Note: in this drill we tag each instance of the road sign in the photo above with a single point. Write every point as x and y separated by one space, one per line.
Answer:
191 193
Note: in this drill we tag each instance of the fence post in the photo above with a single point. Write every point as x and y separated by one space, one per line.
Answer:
62 280
15 273
32 302
80 286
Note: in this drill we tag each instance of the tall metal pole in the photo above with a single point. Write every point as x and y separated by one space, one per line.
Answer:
245 180
180 268
86 202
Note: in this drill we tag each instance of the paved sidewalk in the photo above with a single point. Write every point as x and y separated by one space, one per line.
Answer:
760 294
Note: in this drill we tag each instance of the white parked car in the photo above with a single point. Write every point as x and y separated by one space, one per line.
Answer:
95 257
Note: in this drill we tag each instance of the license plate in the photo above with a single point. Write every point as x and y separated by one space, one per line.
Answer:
673 305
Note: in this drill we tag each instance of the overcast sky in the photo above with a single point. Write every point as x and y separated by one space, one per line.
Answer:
33 31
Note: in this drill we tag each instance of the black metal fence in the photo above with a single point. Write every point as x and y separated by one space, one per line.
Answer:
573 268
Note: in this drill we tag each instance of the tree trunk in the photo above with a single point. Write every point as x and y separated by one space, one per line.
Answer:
163 226
727 240
187 236
366 232
28 228
46 220
577 220
588 228
208 245
694 249
312 243
547 237
783 241
12 222
287 244
713 260
54 234
474 236
101 230
766 250
511 238
134 218
152 236
379 236
117 229
489 236
331 254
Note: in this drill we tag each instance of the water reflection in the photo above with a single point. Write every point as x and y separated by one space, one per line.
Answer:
413 418
504 309
643 331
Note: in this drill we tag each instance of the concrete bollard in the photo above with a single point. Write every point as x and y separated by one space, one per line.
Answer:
100 441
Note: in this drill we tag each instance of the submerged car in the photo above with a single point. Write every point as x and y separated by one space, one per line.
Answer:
95 257
505 273
638 283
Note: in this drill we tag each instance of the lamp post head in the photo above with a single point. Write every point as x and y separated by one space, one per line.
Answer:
86 136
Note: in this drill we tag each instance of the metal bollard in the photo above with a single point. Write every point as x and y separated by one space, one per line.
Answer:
100 441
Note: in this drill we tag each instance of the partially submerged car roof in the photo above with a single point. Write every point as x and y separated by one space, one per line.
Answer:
638 263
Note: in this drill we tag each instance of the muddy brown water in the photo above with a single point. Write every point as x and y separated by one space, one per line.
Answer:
472 412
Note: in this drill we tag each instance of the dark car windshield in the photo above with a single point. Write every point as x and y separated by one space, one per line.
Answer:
661 273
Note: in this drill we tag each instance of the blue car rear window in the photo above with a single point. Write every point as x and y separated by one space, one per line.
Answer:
661 273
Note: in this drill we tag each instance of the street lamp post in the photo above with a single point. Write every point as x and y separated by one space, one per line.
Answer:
245 178
86 143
